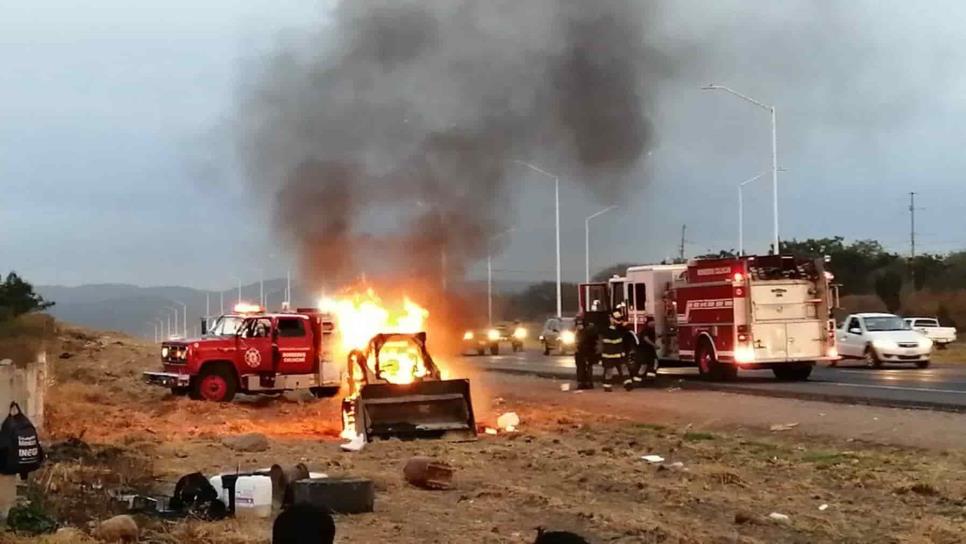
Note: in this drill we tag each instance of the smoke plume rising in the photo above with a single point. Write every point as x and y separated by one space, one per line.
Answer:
386 141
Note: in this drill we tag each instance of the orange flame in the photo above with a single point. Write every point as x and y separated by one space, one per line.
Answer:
361 316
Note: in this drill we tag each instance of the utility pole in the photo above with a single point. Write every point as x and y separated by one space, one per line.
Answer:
684 230
912 226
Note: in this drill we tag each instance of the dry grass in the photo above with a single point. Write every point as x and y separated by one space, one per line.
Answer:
566 469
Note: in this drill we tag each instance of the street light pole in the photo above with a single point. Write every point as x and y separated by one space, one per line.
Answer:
175 311
587 240
489 276
741 212
556 196
774 152
184 324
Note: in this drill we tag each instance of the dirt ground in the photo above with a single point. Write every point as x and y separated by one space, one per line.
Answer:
885 475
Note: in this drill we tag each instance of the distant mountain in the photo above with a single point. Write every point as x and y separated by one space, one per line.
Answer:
134 310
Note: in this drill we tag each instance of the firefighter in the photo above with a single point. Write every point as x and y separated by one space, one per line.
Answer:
585 356
631 355
613 354
648 347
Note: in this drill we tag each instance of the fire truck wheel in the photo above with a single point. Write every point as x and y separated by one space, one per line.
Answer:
324 392
495 349
480 351
215 383
708 366
792 372
546 348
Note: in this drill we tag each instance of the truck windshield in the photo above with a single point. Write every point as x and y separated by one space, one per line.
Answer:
226 325
885 323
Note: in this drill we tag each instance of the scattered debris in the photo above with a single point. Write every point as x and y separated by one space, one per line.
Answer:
30 519
251 442
282 480
677 465
195 495
428 473
778 427
779 518
508 422
338 495
121 528
653 458
66 355
672 389
490 430
356 444
822 507
565 387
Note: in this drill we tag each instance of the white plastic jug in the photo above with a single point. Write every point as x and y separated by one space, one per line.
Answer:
253 496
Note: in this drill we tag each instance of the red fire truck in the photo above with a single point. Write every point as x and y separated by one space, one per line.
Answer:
722 315
253 351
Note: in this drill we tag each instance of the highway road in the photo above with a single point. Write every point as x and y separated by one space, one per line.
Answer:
942 386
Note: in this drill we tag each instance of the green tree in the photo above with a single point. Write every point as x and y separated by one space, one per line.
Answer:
926 270
540 300
853 264
17 297
888 285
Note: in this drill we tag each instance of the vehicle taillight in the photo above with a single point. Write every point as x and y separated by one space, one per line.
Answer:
744 354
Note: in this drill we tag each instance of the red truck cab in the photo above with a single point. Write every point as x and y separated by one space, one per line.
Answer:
253 353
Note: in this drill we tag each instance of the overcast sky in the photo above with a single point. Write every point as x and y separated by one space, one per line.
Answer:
113 116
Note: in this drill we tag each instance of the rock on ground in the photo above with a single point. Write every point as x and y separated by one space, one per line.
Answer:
121 528
252 442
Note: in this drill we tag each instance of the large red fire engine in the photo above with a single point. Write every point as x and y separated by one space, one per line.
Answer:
253 351
722 315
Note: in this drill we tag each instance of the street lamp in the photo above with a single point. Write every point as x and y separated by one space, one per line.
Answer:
587 240
741 210
184 324
774 151
175 310
489 275
556 194
155 325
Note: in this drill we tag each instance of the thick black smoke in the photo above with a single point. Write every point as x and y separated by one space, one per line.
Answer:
386 142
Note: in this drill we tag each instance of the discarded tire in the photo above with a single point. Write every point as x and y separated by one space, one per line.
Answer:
338 495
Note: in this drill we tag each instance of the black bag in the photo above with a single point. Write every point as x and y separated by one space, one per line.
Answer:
20 449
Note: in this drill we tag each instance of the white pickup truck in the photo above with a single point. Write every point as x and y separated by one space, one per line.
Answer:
941 336
882 338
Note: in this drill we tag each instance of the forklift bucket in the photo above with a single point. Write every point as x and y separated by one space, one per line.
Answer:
426 409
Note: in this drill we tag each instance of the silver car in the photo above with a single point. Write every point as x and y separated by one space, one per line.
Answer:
559 334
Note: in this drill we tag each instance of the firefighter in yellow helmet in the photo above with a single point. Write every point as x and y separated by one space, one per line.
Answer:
613 355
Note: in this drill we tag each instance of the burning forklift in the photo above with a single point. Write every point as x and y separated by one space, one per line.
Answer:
396 390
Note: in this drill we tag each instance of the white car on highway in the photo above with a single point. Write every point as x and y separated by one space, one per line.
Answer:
940 336
882 338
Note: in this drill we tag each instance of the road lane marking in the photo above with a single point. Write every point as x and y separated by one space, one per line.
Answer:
895 387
